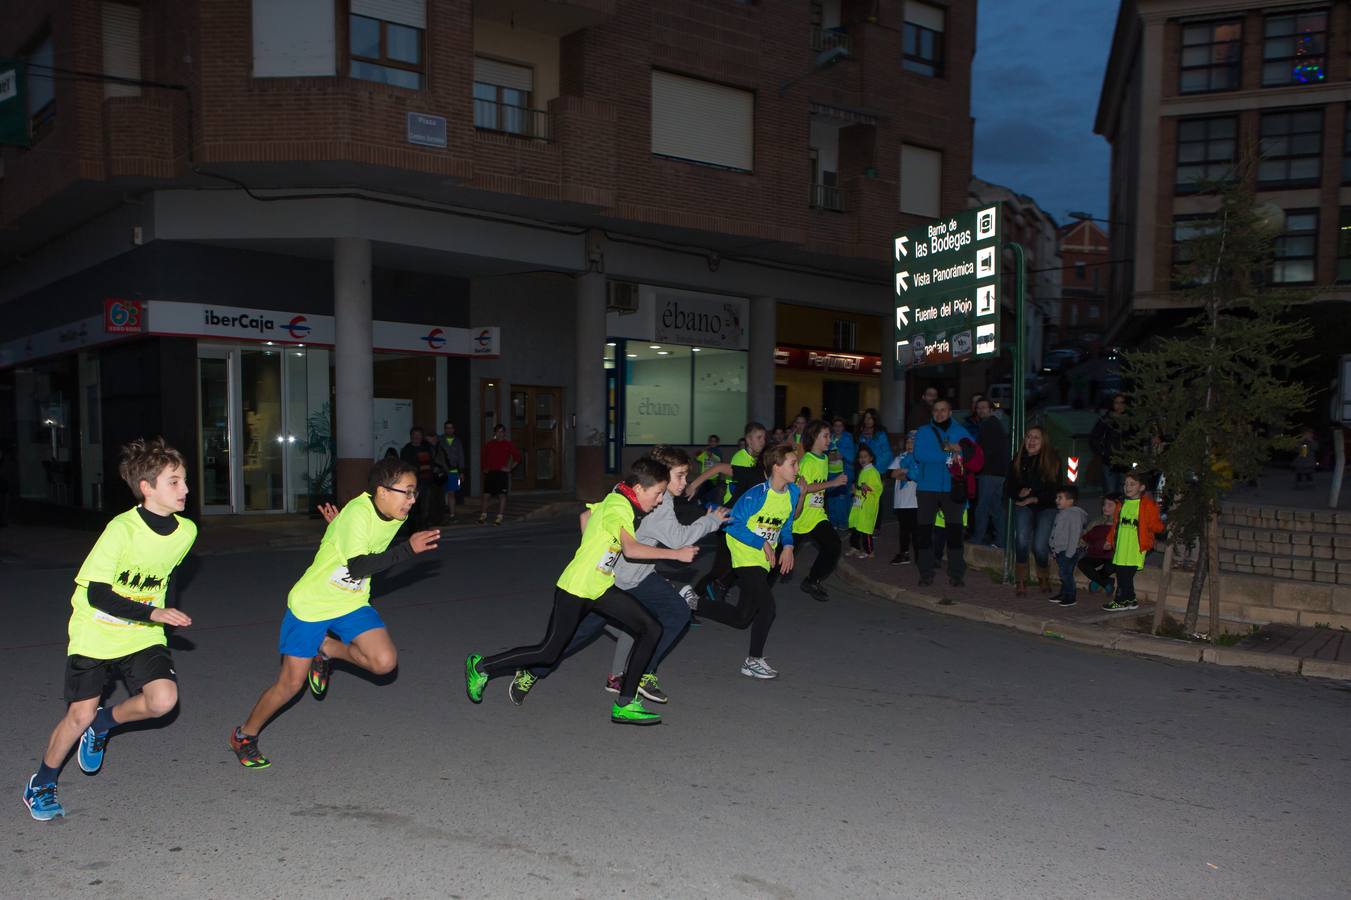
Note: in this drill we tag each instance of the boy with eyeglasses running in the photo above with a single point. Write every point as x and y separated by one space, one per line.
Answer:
334 595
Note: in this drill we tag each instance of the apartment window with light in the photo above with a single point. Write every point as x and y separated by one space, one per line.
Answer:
1205 151
1291 147
1212 54
1295 251
385 42
922 43
1294 48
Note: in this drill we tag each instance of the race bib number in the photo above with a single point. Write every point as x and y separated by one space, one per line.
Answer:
343 581
105 618
609 560
769 533
817 500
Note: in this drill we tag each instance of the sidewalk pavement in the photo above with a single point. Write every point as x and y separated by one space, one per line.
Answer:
1315 652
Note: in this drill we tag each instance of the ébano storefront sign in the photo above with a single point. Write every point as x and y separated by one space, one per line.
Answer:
701 322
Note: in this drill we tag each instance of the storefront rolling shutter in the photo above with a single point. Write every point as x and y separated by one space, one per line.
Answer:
702 121
490 71
412 13
121 48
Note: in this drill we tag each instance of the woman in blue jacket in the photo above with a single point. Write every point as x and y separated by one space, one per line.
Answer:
937 446
841 452
871 432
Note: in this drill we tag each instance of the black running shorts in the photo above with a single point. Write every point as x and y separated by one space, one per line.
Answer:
87 677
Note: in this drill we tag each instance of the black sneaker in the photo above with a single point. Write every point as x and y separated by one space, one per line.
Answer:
1068 601
1131 603
957 581
926 580
649 688
520 686
900 559
814 590
1055 598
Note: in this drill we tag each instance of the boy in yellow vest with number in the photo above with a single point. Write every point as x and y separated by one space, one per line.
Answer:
334 595
118 613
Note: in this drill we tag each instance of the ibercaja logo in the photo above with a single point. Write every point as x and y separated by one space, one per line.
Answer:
298 328
122 316
483 341
436 339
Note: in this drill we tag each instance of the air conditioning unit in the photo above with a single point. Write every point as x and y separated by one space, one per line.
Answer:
623 297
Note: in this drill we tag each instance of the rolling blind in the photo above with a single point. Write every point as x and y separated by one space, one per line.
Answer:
412 13
294 38
702 121
921 181
121 48
490 71
924 15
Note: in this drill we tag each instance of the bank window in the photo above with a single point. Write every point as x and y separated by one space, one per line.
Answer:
41 87
1205 151
923 39
681 395
385 42
1211 57
1344 245
846 335
1295 250
1291 147
1294 48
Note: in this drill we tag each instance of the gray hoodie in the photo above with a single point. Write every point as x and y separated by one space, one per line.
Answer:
1068 528
661 527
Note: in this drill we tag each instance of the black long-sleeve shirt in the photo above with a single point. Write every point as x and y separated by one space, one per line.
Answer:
102 596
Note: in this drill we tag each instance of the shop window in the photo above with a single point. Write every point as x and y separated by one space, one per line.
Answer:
846 335
680 395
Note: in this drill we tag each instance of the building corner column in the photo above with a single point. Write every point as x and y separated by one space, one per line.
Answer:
589 432
353 365
760 366
892 389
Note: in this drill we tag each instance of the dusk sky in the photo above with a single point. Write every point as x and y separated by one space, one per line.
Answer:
1037 75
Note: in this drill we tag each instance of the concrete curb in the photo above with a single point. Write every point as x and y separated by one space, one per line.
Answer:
1104 638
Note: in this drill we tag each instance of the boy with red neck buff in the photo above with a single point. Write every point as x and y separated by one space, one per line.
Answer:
587 585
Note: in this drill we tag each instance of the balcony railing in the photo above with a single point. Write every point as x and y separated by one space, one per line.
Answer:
529 123
825 196
828 38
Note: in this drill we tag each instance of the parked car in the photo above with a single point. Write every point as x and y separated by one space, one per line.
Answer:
1001 395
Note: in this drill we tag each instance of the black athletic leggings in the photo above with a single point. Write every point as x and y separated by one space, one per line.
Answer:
1098 570
827 549
906 523
754 607
1125 582
569 610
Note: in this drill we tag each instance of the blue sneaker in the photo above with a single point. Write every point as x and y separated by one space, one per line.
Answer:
1093 586
41 801
92 745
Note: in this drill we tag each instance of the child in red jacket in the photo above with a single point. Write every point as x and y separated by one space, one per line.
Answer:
1131 539
1096 561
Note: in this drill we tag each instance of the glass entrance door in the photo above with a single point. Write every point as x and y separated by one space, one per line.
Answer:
264 436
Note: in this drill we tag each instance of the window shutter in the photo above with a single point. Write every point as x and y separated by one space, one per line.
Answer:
121 48
921 181
490 71
412 13
702 121
924 15
294 38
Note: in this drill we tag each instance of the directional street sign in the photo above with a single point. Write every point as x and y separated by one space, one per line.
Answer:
947 289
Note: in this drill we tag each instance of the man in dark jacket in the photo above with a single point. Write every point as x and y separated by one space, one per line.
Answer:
1107 443
991 517
420 453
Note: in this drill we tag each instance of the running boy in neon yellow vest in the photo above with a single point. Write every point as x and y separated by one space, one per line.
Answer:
118 613
334 595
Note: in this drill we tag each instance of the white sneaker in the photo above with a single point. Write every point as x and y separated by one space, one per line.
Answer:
691 598
756 667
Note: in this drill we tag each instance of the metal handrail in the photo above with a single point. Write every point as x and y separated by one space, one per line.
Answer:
489 115
825 196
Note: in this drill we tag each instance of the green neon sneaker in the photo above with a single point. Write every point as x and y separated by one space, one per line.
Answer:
633 714
474 680
520 686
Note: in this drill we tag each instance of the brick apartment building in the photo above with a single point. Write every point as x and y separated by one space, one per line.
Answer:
1085 256
281 231
1188 89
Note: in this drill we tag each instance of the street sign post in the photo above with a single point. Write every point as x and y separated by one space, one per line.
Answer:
947 289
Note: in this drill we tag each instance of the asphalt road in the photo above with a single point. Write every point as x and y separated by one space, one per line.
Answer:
900 754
